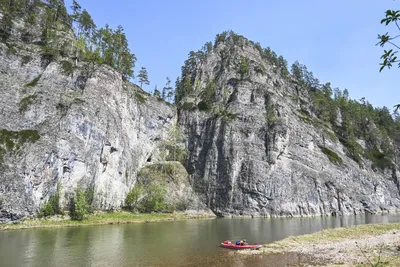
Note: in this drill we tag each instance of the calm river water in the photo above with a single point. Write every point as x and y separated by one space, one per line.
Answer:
181 243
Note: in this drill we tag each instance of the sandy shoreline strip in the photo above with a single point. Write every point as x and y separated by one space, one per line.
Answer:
365 245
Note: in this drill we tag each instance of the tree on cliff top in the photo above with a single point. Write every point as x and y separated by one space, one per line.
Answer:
100 46
167 91
143 77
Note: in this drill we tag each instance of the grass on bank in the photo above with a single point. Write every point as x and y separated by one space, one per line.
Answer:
97 219
334 235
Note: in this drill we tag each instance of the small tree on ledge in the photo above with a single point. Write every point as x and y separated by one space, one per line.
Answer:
143 77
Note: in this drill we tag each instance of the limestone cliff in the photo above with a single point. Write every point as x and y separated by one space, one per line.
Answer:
259 150
83 128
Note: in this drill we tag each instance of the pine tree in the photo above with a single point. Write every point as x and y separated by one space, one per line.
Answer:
114 50
84 30
167 92
143 77
86 24
163 94
156 92
297 71
178 91
76 10
282 65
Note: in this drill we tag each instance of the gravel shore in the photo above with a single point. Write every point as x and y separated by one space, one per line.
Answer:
367 245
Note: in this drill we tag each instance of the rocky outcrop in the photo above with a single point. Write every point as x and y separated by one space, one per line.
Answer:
260 151
91 128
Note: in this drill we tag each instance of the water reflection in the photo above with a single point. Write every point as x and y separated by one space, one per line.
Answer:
185 243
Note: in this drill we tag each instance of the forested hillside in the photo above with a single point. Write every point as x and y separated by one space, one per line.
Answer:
94 45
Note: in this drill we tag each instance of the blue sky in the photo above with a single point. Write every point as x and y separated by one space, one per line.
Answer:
334 39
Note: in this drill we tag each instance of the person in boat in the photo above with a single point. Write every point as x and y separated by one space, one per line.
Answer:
243 242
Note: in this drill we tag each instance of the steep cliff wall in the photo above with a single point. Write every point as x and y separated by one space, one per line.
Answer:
86 128
257 149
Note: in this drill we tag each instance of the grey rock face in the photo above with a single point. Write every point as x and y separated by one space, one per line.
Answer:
94 131
257 154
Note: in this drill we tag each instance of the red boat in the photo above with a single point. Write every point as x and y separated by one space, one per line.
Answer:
229 244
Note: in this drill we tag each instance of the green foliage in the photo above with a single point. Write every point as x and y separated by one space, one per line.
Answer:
353 147
182 204
220 38
389 56
34 82
141 98
282 66
103 46
25 60
154 199
188 106
177 153
67 67
324 106
203 106
49 53
5 27
332 156
114 50
46 210
173 149
167 91
304 77
271 117
359 119
132 198
85 24
305 119
304 113
208 47
243 68
11 10
26 102
269 55
259 69
379 159
89 195
11 50
52 205
143 77
78 206
52 14
157 93
12 141
224 113
207 95
258 47
31 18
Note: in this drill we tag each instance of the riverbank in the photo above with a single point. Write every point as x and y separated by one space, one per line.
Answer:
364 245
102 218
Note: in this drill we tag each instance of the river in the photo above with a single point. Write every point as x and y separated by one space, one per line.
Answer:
176 243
